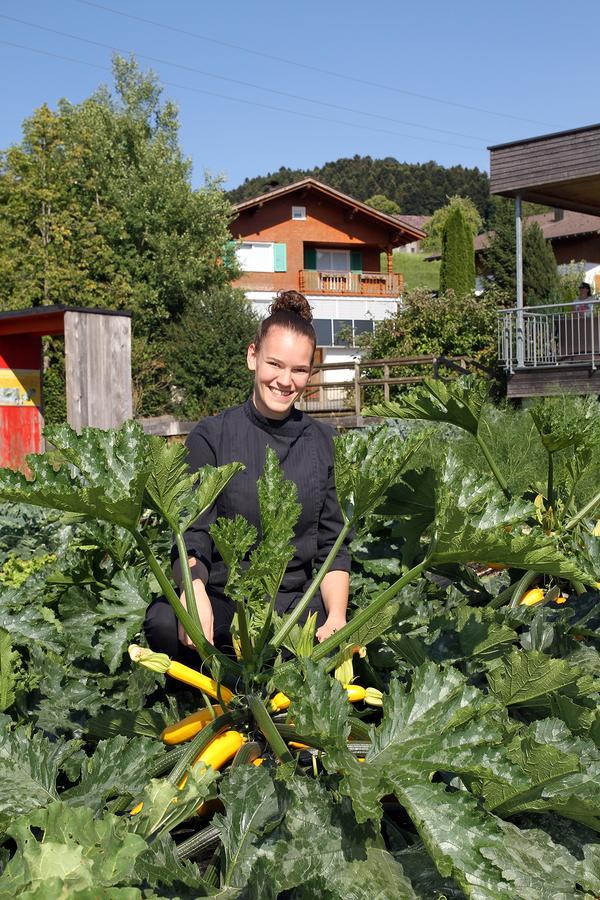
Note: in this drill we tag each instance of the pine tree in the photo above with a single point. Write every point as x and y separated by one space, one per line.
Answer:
540 278
457 271
500 257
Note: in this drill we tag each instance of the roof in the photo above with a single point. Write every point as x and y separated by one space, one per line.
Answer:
561 169
573 224
407 231
414 221
46 320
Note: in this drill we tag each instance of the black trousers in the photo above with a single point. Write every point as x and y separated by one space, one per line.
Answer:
160 627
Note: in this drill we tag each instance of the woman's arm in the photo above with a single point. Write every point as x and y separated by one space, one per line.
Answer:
335 588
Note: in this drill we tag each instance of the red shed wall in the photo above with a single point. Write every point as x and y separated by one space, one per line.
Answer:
20 426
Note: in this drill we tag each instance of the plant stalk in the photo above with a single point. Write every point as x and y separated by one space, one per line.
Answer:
521 587
550 488
493 465
576 519
188 585
205 650
245 639
268 729
304 603
364 615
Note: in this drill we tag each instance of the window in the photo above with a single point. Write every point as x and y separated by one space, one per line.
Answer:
323 332
256 257
298 212
333 260
363 326
342 332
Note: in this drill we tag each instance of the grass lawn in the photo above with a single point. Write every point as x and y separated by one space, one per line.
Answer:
417 273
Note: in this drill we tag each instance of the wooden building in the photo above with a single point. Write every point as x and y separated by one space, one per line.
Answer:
550 349
312 238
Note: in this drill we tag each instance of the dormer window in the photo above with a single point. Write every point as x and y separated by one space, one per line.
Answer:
299 212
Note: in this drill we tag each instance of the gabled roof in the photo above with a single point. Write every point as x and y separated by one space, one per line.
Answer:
409 232
572 224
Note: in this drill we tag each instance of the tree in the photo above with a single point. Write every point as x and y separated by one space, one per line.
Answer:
540 277
442 324
206 353
383 204
457 271
97 209
434 228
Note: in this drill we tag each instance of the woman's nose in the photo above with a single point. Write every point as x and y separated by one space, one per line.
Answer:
284 377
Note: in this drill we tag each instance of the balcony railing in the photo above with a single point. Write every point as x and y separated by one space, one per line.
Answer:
370 284
554 335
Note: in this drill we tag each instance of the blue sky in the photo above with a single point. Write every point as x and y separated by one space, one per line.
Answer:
440 80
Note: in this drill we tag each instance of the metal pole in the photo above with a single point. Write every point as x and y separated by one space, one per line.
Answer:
519 261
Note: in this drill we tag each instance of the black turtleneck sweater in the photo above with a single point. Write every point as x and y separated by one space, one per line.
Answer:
305 450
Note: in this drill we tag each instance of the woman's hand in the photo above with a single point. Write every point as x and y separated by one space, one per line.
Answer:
332 624
204 607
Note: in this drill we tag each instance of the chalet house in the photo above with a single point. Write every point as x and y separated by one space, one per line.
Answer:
574 237
311 238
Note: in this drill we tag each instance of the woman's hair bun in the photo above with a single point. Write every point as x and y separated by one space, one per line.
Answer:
292 302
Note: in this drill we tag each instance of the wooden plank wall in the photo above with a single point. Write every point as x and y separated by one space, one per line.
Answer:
556 158
98 369
553 381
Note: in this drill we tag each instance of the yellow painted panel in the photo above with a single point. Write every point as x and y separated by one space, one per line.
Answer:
20 387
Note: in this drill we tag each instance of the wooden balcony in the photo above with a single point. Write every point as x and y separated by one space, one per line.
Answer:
355 284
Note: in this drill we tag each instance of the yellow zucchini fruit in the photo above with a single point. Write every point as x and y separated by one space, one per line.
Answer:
299 746
355 692
533 596
160 662
258 762
190 726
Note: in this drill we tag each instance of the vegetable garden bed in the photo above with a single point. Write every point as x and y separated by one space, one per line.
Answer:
468 766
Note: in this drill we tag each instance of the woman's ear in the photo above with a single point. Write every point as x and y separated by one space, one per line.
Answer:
251 357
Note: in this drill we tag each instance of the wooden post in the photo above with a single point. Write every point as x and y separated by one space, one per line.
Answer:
98 369
357 390
386 386
390 261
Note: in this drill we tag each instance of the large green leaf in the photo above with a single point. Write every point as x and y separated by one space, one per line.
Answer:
560 425
525 675
178 495
160 868
458 402
489 858
474 522
120 615
367 464
552 770
111 469
117 766
8 662
262 573
282 835
80 851
29 768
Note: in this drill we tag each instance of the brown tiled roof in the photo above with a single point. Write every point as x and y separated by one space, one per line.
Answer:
414 221
410 232
571 225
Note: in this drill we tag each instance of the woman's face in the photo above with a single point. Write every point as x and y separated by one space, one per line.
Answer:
281 369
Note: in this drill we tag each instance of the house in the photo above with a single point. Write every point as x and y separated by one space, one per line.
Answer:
312 238
574 237
413 222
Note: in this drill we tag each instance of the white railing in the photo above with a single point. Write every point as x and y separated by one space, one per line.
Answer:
551 335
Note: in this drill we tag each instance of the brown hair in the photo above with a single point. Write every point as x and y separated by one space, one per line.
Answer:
291 310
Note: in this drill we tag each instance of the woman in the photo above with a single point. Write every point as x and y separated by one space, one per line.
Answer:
281 358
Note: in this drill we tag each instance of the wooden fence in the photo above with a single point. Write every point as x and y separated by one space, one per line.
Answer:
341 401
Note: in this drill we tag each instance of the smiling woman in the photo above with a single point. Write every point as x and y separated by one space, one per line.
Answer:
281 357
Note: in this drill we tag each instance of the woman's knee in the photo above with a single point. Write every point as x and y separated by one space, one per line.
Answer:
160 628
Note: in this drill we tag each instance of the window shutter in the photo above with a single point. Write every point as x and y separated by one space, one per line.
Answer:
279 258
310 258
356 260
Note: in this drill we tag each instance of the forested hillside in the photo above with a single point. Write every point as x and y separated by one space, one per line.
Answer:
418 188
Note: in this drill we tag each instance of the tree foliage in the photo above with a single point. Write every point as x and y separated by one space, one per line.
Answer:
442 325
417 188
97 209
457 271
383 204
540 279
434 228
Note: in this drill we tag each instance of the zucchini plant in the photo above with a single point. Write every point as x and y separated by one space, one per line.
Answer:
458 773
